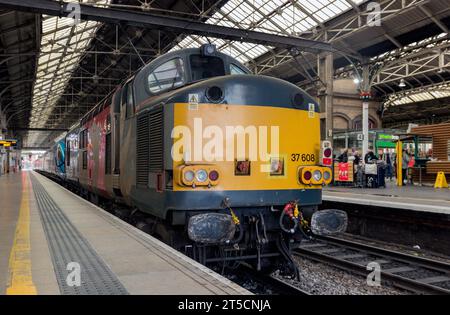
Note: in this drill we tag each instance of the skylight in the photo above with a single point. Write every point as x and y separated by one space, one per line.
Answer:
63 43
269 16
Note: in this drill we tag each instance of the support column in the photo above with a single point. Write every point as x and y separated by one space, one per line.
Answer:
325 66
365 127
365 93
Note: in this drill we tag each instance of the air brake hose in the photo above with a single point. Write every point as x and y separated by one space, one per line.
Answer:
239 238
290 231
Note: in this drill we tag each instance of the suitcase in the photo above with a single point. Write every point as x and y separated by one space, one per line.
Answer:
372 181
377 180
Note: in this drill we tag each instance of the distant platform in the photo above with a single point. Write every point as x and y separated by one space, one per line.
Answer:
417 198
54 242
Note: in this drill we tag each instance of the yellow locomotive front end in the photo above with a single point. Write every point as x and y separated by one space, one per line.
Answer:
247 148
232 159
254 160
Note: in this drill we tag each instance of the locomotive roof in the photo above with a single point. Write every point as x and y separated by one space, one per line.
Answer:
188 52
143 72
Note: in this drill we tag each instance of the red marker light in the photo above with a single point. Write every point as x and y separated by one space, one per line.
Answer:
307 175
213 175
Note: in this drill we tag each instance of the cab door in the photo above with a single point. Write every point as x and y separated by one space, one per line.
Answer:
127 140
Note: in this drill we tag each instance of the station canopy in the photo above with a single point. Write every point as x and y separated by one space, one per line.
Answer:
63 43
270 16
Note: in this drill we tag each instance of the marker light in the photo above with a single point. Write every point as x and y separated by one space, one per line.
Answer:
307 175
189 176
213 175
327 152
317 175
326 175
201 176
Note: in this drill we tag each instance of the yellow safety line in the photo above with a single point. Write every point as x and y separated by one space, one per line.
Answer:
20 276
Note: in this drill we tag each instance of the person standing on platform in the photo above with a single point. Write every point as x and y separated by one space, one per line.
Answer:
411 168
343 158
388 161
405 161
370 156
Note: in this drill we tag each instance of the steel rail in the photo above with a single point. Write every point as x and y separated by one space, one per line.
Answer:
407 283
281 287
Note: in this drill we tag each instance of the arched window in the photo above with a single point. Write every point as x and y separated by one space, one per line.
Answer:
357 123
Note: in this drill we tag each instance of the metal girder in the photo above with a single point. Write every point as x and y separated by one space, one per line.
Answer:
442 26
337 31
37 129
36 148
132 18
421 62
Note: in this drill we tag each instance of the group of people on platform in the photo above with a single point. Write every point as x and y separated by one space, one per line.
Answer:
388 157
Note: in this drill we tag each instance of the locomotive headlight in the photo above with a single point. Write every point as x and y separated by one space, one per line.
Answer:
326 175
189 176
201 175
317 175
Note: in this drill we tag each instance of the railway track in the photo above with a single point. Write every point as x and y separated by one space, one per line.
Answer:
412 273
276 285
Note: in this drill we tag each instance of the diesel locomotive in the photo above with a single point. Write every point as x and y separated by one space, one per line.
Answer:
194 149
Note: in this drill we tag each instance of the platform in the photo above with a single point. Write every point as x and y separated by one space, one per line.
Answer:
50 238
417 198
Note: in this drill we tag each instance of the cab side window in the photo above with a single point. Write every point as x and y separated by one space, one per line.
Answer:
167 76
236 69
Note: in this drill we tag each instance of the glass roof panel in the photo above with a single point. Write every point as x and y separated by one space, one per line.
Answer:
62 44
420 96
283 17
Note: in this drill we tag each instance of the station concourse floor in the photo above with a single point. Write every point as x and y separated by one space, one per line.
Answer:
54 242
412 197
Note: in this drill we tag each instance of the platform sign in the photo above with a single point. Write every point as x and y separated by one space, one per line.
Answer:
8 143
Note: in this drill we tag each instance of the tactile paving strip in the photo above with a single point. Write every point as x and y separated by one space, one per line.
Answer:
66 245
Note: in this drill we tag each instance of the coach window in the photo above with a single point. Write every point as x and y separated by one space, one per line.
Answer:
83 146
68 152
167 76
236 69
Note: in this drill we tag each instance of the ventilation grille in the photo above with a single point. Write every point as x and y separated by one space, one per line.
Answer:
142 150
156 141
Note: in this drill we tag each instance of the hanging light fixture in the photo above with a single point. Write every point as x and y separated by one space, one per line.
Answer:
402 83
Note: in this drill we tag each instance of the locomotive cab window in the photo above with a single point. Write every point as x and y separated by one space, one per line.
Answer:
167 76
204 67
234 69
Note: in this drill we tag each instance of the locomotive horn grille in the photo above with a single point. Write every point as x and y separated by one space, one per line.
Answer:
156 144
149 145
